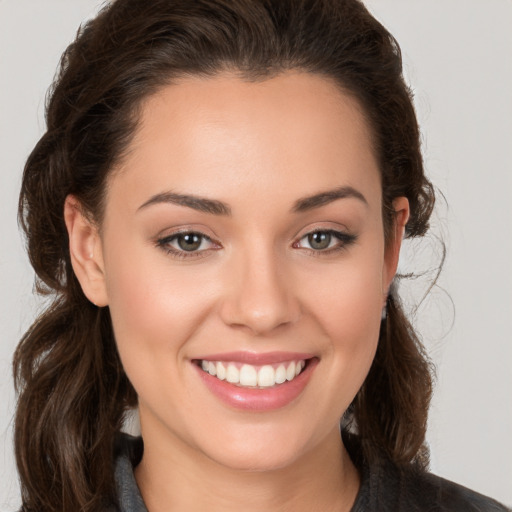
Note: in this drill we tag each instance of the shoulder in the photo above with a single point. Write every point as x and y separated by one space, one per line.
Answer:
392 488
388 487
426 491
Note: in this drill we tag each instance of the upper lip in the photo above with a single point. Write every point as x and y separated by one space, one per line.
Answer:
254 358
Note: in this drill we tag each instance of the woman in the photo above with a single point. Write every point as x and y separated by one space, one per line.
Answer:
218 206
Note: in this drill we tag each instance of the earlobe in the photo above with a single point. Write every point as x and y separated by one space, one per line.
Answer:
86 253
401 216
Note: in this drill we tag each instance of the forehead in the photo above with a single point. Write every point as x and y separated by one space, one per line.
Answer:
213 136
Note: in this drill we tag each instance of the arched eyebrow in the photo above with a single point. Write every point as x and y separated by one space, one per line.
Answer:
196 203
309 203
215 207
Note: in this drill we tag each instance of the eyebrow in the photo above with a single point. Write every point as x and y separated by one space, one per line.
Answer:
215 207
323 198
196 203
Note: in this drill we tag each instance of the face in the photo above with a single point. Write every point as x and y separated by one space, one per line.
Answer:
243 260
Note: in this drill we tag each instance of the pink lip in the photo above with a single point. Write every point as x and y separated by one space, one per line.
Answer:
255 358
258 400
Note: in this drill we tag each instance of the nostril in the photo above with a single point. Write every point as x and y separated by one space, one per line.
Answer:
246 315
258 296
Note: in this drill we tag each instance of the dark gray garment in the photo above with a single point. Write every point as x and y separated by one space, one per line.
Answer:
385 487
128 454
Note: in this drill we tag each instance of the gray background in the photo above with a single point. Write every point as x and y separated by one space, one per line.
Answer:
457 56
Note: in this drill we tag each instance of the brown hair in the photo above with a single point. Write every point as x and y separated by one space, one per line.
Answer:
73 392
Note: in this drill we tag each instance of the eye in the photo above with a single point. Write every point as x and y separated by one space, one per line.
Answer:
186 243
189 241
325 240
320 240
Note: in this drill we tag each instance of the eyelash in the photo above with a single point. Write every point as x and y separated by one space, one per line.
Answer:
164 244
344 241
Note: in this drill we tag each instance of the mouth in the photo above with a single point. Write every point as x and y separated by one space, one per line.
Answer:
253 376
256 382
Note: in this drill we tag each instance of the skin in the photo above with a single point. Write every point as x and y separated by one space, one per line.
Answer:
258 147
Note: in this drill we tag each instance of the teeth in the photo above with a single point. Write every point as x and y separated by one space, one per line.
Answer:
280 374
266 376
232 374
290 371
221 371
248 375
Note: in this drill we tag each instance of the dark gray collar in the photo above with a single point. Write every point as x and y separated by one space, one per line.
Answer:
128 454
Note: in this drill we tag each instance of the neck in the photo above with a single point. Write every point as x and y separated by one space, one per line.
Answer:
323 479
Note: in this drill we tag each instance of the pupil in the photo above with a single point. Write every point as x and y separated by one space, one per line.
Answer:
189 242
319 240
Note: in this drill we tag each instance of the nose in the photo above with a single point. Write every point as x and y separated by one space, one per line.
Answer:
259 296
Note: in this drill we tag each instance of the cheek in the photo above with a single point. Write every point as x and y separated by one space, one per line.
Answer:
155 307
156 312
347 304
348 297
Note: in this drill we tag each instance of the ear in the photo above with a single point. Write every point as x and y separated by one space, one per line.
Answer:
392 250
86 253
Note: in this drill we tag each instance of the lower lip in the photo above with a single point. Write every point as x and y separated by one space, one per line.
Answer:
264 399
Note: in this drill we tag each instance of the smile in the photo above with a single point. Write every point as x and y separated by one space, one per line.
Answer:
256 382
252 376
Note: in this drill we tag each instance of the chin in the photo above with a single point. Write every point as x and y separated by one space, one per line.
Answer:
257 452
252 461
